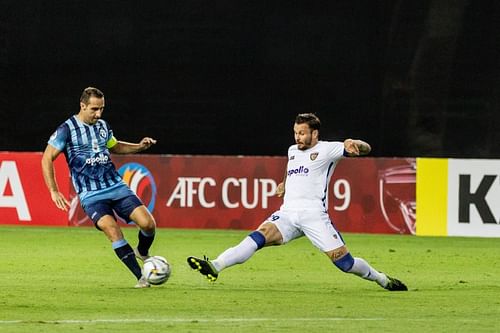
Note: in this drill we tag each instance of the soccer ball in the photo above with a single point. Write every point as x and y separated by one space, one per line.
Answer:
156 270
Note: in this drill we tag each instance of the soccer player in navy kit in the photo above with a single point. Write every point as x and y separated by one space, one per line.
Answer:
304 211
86 141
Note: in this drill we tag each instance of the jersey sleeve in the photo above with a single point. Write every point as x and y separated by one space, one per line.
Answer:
59 138
111 140
336 150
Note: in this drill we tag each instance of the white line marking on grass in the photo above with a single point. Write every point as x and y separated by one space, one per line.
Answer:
213 320
179 320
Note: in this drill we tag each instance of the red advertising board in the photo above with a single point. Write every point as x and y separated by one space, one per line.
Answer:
202 191
24 198
373 195
366 194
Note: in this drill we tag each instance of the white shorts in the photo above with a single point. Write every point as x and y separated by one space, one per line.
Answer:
315 225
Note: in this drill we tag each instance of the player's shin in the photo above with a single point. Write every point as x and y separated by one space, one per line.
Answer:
145 241
241 252
127 256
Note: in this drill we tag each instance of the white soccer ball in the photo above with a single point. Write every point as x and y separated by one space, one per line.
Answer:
156 270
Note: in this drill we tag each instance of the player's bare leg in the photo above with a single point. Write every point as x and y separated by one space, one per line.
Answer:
358 266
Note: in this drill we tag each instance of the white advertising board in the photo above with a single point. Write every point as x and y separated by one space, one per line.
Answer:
474 197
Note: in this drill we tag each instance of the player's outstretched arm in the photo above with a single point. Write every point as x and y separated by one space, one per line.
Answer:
122 147
355 147
49 155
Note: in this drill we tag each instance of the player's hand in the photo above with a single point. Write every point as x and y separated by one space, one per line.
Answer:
357 147
351 147
280 190
59 200
147 142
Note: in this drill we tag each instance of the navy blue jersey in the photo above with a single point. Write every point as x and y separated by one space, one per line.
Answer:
86 148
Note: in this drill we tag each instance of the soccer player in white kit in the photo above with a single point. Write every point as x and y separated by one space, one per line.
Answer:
304 211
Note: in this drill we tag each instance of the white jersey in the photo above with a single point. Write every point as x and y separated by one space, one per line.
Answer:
308 175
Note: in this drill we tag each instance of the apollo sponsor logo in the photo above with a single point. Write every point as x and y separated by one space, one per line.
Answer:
233 192
302 170
99 159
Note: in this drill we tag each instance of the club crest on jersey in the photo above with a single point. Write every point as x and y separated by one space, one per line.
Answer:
291 158
103 133
313 156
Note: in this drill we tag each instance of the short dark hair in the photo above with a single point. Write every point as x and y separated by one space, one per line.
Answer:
90 92
310 119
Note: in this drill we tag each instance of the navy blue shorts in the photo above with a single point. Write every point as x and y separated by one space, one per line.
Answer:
122 207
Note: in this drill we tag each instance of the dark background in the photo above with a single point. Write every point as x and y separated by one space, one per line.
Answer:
413 78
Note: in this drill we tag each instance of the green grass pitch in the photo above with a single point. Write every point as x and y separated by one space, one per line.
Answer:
69 280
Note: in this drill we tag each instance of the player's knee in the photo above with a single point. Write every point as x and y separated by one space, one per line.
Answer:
143 218
345 263
147 223
150 225
271 233
258 238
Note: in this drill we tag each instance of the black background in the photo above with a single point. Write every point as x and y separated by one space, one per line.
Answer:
413 78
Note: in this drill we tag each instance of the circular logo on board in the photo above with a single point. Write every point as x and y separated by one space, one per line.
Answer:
141 181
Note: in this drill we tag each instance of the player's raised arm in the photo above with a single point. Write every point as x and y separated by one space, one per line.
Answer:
355 147
49 155
122 147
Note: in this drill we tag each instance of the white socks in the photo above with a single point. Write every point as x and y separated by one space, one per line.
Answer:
235 255
362 269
